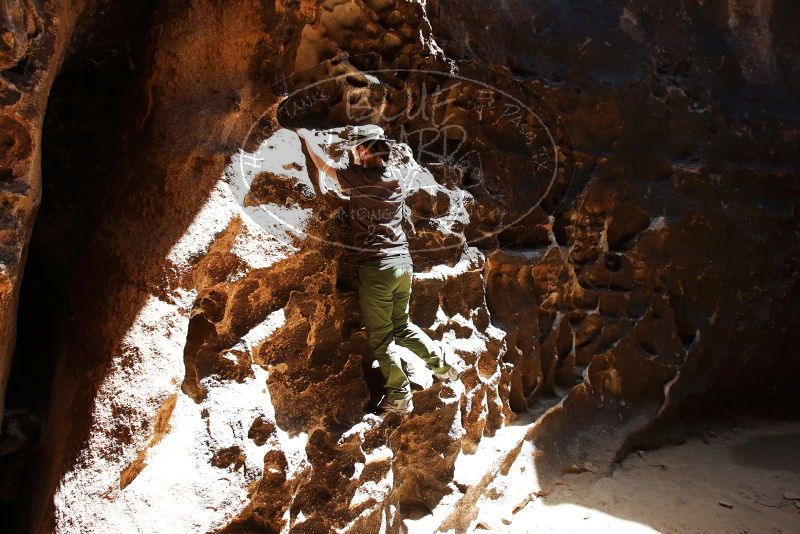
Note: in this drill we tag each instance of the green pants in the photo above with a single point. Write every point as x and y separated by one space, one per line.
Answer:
384 291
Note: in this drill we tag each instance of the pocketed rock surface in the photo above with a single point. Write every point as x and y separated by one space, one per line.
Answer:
635 249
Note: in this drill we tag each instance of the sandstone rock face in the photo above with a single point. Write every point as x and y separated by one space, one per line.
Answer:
604 209
27 74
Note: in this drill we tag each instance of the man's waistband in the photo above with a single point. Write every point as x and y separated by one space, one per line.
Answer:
394 260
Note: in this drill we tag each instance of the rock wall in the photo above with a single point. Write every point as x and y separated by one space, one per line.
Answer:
29 58
604 202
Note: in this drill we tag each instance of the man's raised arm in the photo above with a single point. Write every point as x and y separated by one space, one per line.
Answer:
324 164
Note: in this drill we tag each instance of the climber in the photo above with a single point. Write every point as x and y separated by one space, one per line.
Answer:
376 204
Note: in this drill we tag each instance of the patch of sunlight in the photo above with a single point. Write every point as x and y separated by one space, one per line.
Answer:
570 517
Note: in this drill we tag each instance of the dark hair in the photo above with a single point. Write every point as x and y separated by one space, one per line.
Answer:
378 146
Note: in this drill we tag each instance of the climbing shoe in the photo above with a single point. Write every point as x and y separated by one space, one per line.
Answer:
398 406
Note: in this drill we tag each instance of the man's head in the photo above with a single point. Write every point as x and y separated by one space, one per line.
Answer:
373 153
369 143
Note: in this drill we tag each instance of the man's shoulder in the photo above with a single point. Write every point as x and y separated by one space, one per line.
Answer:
350 168
359 173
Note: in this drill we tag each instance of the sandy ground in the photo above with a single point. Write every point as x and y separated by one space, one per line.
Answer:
740 479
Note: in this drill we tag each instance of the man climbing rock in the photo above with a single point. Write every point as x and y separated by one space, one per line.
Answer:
376 202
